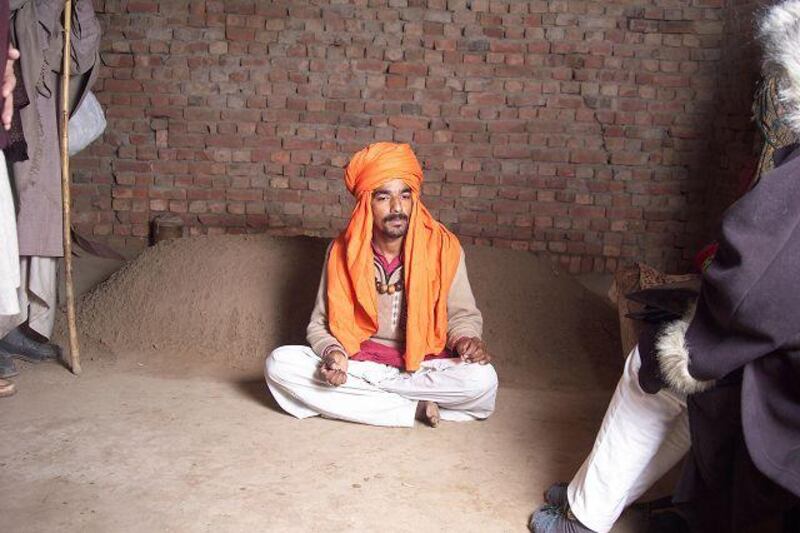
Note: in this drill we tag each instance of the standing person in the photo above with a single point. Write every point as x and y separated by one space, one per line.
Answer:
37 31
9 250
724 383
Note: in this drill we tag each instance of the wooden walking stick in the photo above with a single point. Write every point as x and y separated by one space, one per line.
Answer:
74 353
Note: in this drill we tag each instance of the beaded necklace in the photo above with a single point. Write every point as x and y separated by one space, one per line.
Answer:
390 288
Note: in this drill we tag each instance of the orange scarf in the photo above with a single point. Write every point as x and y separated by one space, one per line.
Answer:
431 256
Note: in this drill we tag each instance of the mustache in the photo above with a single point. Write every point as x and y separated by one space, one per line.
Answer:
396 216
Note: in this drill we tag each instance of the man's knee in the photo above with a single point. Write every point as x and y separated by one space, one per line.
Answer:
280 362
482 380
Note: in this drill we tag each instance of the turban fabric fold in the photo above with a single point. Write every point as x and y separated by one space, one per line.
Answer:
431 255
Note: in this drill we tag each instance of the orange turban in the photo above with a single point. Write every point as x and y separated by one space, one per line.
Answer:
431 256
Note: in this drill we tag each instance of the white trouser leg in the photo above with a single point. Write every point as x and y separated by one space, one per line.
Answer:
642 436
36 294
463 391
292 376
378 394
9 250
42 294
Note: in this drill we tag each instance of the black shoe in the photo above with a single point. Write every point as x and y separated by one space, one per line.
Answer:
7 367
21 346
552 519
556 495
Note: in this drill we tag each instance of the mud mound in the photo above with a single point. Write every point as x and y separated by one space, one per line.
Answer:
227 298
232 299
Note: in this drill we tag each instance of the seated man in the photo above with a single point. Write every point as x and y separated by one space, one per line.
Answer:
723 383
395 333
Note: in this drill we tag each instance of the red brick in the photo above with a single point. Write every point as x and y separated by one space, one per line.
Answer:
587 211
412 69
245 195
122 86
409 123
629 158
592 157
466 125
142 7
371 65
240 34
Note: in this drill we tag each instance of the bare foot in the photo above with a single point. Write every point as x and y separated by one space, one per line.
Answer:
428 412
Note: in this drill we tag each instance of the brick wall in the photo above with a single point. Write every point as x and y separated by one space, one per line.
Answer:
737 142
580 128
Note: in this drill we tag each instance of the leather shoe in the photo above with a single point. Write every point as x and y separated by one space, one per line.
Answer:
7 367
21 346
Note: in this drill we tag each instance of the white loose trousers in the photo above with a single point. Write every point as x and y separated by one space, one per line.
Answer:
37 295
378 394
9 250
642 437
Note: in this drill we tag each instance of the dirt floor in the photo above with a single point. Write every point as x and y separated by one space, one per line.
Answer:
171 428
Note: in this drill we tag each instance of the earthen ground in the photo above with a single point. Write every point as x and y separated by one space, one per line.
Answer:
167 430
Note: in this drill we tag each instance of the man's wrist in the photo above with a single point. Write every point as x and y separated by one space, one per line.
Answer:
457 342
457 337
333 348
463 338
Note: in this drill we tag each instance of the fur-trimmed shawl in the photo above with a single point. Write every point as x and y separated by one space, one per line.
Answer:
779 33
673 357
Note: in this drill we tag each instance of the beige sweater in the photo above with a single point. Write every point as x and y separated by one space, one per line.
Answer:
463 317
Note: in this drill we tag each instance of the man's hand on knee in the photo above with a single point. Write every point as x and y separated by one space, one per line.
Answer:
472 350
334 368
